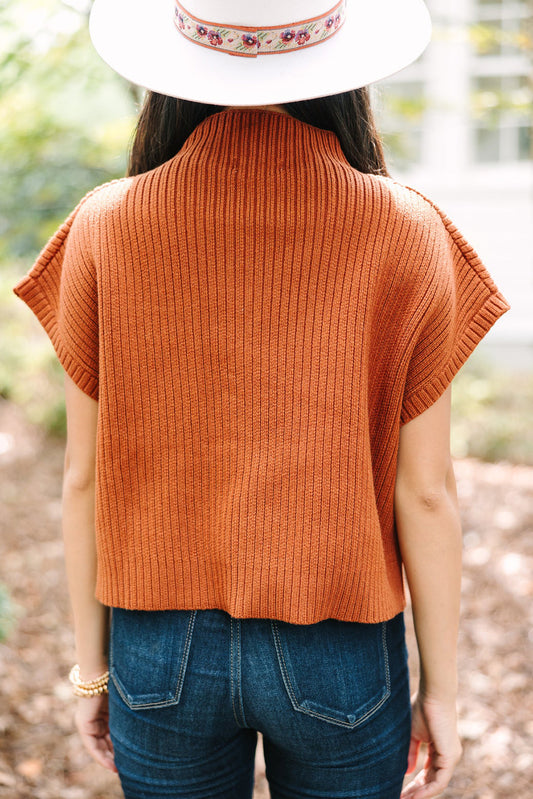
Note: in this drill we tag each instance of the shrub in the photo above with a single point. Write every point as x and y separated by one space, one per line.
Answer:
491 413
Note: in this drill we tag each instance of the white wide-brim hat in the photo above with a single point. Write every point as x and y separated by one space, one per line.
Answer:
141 41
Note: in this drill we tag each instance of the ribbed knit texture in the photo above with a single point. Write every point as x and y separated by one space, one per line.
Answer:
257 319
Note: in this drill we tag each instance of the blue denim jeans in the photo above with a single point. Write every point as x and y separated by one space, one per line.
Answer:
189 690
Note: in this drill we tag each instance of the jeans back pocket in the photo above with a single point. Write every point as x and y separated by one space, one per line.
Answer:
334 670
148 655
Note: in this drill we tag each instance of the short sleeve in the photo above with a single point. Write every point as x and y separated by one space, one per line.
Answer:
61 290
461 303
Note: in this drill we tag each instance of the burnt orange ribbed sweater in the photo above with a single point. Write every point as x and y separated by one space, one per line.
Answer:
257 319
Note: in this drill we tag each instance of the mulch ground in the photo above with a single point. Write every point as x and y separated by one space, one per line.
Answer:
40 754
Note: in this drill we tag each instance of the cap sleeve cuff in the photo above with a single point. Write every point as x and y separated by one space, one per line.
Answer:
29 291
491 310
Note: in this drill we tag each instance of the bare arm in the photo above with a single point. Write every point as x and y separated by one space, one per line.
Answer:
429 532
91 618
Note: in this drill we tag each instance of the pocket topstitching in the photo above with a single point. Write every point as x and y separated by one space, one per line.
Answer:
148 655
335 671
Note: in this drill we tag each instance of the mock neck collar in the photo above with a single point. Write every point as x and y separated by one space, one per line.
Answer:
237 133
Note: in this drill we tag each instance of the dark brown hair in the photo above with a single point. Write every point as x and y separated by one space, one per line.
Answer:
166 122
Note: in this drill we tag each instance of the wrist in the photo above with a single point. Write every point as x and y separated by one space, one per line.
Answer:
443 691
88 688
92 670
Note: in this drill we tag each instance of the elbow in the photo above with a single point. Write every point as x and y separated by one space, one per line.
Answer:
433 500
78 477
75 482
429 500
428 494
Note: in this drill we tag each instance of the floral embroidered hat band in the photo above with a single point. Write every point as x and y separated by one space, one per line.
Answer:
251 41
182 49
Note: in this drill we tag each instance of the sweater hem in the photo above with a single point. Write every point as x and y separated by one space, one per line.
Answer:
386 610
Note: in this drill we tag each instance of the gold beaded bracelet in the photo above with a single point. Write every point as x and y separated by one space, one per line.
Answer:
90 687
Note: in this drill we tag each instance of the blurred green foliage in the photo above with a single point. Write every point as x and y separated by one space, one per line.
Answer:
66 121
8 613
30 373
66 125
492 413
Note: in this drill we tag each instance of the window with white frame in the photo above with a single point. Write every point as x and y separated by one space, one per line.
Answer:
501 107
501 82
501 28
